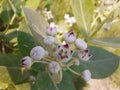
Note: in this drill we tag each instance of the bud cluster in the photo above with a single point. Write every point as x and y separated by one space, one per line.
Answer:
63 53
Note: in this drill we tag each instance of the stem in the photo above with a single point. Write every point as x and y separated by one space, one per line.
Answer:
13 18
42 62
74 71
47 60
3 47
72 62
12 6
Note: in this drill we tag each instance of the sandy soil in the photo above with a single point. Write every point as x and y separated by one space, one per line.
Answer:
103 84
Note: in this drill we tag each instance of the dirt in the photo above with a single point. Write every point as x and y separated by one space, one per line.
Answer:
102 84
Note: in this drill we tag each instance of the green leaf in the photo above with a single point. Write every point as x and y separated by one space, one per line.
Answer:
44 82
10 69
37 26
107 41
33 4
102 64
38 67
83 12
25 43
6 16
13 74
9 60
66 83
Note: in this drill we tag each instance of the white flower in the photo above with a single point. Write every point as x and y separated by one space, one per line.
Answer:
37 53
73 20
26 62
86 75
69 20
54 67
81 44
66 16
49 40
69 37
64 53
84 55
77 62
52 30
48 14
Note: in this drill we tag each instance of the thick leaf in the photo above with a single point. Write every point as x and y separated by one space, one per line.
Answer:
83 12
38 67
33 4
101 65
6 16
10 70
9 60
13 74
25 43
37 26
107 41
44 82
66 83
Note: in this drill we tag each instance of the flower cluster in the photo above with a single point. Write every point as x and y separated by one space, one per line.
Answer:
62 54
69 20
48 14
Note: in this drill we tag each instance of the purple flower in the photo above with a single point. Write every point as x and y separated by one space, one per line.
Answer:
64 53
69 37
84 55
26 62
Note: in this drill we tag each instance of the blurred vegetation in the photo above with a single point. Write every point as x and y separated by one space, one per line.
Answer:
11 18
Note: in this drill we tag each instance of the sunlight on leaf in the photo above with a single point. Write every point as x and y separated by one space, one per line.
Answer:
107 41
83 12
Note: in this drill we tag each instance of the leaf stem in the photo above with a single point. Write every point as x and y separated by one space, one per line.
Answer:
44 62
73 71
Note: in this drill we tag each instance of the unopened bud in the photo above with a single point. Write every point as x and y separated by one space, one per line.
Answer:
81 44
49 40
26 62
37 53
69 37
54 67
86 75
52 30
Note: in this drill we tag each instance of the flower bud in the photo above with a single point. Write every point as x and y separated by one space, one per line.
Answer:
26 62
77 62
52 30
86 75
84 55
54 67
69 37
37 53
49 40
64 53
81 44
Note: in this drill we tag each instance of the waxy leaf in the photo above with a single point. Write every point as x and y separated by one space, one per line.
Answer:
37 26
33 4
107 41
102 64
44 82
25 43
83 12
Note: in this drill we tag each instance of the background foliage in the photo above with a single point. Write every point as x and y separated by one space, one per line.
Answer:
17 37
